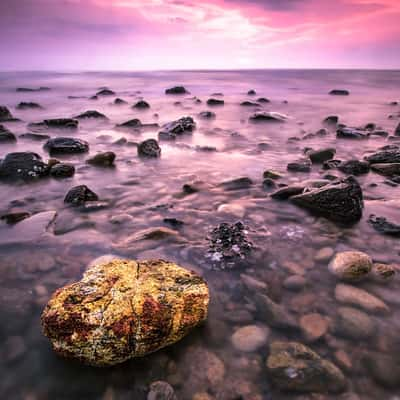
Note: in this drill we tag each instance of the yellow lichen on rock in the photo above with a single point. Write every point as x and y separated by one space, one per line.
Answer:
124 309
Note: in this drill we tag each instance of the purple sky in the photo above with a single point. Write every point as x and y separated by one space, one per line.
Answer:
207 34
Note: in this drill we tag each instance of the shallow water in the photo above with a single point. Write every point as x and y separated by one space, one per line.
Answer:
143 192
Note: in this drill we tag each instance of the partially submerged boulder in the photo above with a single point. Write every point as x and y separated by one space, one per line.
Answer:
124 309
6 136
266 116
24 166
149 149
66 145
176 90
5 114
57 123
79 195
178 127
91 114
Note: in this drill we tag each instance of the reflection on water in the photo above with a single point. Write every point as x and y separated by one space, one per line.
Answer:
43 253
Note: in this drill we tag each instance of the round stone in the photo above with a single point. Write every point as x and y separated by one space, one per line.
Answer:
250 338
350 265
314 326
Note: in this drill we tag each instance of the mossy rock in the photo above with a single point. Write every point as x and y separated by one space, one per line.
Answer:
124 309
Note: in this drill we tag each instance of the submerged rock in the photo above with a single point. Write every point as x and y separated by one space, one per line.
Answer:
178 127
354 167
207 115
354 324
28 90
382 273
24 166
34 136
124 309
387 156
62 170
331 120
382 225
351 133
301 165
249 104
319 156
141 105
28 106
57 123
384 369
66 145
132 123
340 201
389 169
91 114
119 101
105 92
266 116
149 149
161 390
237 184
215 102
251 92
339 92
6 136
176 90
105 159
5 114
294 367
78 195
263 100
314 326
250 338
350 265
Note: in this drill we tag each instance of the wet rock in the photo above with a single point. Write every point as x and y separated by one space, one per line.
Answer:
354 324
339 92
24 166
286 192
66 145
354 167
319 156
28 90
350 265
351 133
176 90
382 273
57 123
397 130
295 283
215 102
119 101
324 254
251 92
314 326
382 225
149 149
91 114
340 201
6 136
274 314
5 114
207 115
270 174
234 209
263 100
161 390
141 105
15 217
331 120
34 136
294 367
174 222
385 369
250 338
156 233
389 169
387 156
331 164
268 184
132 123
28 106
179 127
78 195
105 159
228 244
249 104
265 116
125 309
237 184
302 165
62 170
361 298
105 92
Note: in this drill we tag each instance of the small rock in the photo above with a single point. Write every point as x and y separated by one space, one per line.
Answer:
207 115
354 167
295 282
382 273
302 165
176 90
235 209
161 390
331 120
91 114
66 145
215 102
6 136
382 225
354 324
350 265
149 148
265 116
105 159
119 101
324 254
78 195
62 170
385 369
388 169
105 92
351 133
178 127
28 106
339 92
142 105
269 174
319 156
237 184
250 338
314 326
251 92
5 114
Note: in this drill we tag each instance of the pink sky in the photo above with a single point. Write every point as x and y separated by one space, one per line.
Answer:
206 34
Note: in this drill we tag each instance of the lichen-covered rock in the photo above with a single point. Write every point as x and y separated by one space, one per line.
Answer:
350 265
295 367
124 309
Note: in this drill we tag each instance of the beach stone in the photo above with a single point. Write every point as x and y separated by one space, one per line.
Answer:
105 159
295 282
215 102
382 273
270 174
207 115
66 145
319 156
179 127
354 324
105 92
176 90
6 135
149 149
119 101
351 133
26 166
141 105
339 92
91 114
161 390
293 366
384 369
301 165
62 170
237 184
132 123
350 265
28 106
5 114
266 116
354 167
250 338
382 225
361 298
388 169
389 155
314 326
340 201
331 120
344 361
125 309
78 195
324 254
235 209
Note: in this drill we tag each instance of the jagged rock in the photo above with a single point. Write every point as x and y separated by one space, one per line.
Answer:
295 367
78 195
179 127
215 102
207 115
350 265
301 165
340 201
91 114
176 90
66 145
6 136
141 105
354 167
339 92
105 92
387 156
5 114
351 133
319 156
105 159
62 170
382 225
24 166
149 148
124 309
28 106
265 116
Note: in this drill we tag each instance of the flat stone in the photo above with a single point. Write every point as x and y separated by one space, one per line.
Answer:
324 254
354 324
314 326
250 338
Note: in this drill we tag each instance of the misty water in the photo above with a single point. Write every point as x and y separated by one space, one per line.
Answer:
47 250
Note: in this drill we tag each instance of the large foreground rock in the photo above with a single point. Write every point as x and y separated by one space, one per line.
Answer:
124 309
340 201
295 367
24 166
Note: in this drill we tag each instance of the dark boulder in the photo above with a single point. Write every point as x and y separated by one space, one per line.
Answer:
28 106
389 156
105 159
176 90
319 156
251 92
91 114
149 148
25 166
340 201
58 123
62 170
354 167
397 130
302 165
263 100
141 105
119 101
339 92
331 120
5 114
34 136
207 115
265 116
351 133
6 136
105 92
66 145
249 104
215 102
382 225
388 169
237 184
178 127
78 195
